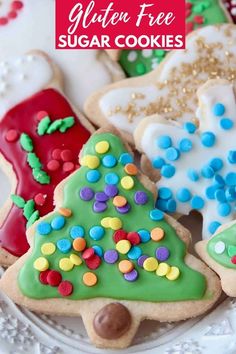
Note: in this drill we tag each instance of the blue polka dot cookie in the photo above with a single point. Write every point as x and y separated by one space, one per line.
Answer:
197 166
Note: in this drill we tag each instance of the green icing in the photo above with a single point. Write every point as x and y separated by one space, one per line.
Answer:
228 238
26 142
46 126
191 285
43 126
29 209
41 176
33 218
18 201
33 160
212 13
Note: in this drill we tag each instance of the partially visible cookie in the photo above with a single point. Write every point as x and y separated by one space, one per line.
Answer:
106 253
40 140
170 90
230 5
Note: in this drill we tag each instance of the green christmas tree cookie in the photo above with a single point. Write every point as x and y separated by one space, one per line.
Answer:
220 254
108 254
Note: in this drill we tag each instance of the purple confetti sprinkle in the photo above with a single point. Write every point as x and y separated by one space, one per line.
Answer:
131 276
111 190
140 197
101 197
162 253
124 210
99 207
142 259
111 256
86 193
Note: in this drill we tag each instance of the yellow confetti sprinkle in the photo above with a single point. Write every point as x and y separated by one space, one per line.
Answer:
41 264
127 182
102 147
173 274
48 248
123 246
66 264
105 222
76 260
162 269
115 224
150 264
90 161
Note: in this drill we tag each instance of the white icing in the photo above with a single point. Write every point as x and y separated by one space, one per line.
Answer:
219 247
199 156
132 56
118 97
20 78
34 29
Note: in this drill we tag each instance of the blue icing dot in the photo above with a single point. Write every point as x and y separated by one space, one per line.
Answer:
111 178
96 233
230 179
183 195
164 142
98 250
171 205
58 222
44 228
93 176
232 156
190 127
164 193
192 175
64 245
185 145
207 172
77 231
134 253
219 181
226 123
161 204
172 154
197 202
230 194
210 192
208 139
220 196
109 161
216 163
158 162
126 158
168 171
144 235
218 109
224 209
156 215
214 225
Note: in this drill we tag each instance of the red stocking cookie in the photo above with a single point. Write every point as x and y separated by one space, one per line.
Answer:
40 139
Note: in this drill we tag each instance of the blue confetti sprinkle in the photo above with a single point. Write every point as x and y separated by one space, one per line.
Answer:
230 194
161 204
226 123
218 109
156 215
96 233
111 178
210 191
168 171
64 245
220 196
93 176
197 202
44 228
77 231
219 181
98 250
190 127
109 161
172 154
224 209
230 179
192 175
158 162
58 222
183 195
134 253
232 156
208 139
126 158
214 225
164 142
164 193
207 172
144 235
171 206
185 145
216 163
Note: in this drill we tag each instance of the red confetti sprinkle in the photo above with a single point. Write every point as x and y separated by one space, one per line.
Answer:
40 199
66 155
88 253
65 288
198 19
12 14
41 115
133 238
56 154
93 262
187 13
189 27
17 5
12 135
3 21
233 259
43 277
54 278
53 165
68 166
188 5
119 235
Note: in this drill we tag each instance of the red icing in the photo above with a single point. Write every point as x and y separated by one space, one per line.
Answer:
66 155
68 166
65 288
53 165
40 199
41 115
12 135
12 231
56 154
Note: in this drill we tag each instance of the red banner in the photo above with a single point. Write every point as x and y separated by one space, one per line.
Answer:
118 24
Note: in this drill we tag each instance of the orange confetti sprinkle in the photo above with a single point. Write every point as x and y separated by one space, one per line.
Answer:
131 169
119 201
90 279
79 244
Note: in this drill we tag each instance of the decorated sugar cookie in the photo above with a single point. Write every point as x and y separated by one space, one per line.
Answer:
169 90
108 254
198 14
40 140
220 254
230 5
196 166
78 67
